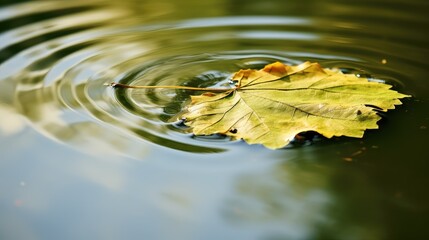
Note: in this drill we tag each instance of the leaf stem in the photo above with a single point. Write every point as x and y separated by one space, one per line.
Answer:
120 85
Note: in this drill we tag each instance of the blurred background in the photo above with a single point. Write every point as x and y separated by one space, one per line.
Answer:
79 160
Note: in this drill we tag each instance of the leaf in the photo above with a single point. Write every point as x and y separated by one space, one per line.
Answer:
270 106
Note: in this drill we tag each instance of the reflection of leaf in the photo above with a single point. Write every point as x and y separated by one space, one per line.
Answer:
270 106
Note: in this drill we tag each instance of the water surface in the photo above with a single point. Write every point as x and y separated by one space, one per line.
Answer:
80 160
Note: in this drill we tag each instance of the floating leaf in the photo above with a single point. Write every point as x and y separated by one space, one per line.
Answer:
270 106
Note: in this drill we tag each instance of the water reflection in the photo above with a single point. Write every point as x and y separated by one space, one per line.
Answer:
12 122
67 141
303 199
261 203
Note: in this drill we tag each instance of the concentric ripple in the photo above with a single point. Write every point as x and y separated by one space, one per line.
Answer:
57 57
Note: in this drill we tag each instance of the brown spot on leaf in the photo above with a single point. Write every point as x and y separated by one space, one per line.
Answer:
208 94
277 67
233 130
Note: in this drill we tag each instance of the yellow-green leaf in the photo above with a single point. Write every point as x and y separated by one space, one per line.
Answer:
270 106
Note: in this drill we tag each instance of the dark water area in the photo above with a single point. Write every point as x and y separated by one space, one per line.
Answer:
79 160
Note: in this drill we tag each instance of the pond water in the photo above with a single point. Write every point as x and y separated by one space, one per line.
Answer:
79 160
